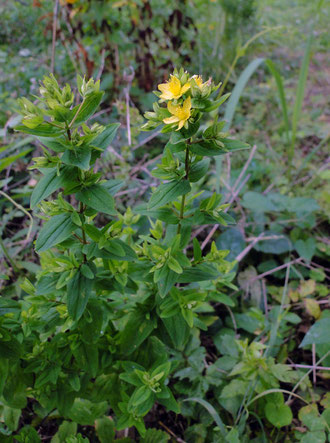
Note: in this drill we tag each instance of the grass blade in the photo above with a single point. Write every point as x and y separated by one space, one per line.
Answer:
314 151
4 163
232 104
238 90
278 79
211 411
300 94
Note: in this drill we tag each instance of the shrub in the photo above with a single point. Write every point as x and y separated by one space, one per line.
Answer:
119 295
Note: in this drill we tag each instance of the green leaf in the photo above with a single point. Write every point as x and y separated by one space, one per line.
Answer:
79 290
141 395
257 202
4 367
92 250
113 186
176 142
136 330
306 248
75 217
56 230
57 144
10 349
238 90
79 156
46 186
87 358
198 170
93 232
177 329
319 333
105 429
28 435
165 280
222 298
164 214
11 417
310 417
65 430
234 145
210 409
215 104
200 272
233 436
14 391
190 131
277 246
88 108
233 240
46 284
86 271
303 73
48 375
177 147
103 140
234 388
166 398
167 192
4 163
210 148
233 102
98 198
154 436
74 382
115 247
314 437
86 412
197 250
277 76
177 138
278 414
174 265
43 130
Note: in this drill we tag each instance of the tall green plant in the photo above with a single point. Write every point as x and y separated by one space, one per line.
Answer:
300 93
111 305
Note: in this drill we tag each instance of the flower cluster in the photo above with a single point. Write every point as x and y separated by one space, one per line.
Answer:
186 98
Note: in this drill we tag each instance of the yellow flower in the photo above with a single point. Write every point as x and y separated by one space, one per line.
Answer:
173 89
180 113
199 81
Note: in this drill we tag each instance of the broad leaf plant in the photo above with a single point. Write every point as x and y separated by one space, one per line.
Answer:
113 303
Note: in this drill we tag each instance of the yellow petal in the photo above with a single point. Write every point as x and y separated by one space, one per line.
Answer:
173 108
170 120
186 105
185 88
175 85
163 87
166 95
199 81
181 123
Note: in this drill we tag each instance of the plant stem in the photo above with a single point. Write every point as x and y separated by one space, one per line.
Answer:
9 259
84 240
183 201
20 207
55 125
76 114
